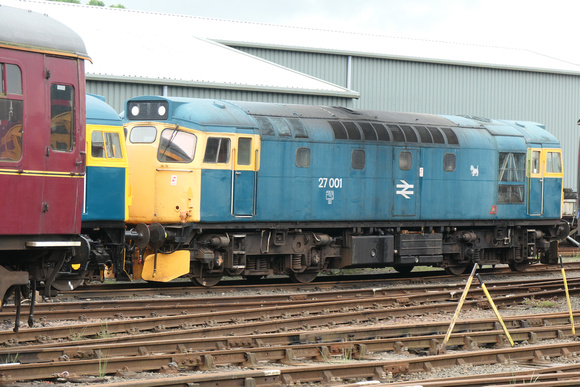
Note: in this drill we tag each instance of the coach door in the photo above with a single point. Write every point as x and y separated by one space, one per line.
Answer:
64 146
405 167
244 177
535 182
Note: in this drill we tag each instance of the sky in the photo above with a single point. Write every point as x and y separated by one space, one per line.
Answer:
547 27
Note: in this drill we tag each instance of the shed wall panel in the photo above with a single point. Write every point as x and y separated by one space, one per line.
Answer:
331 68
116 93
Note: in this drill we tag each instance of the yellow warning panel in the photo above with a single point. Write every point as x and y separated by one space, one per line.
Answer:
168 267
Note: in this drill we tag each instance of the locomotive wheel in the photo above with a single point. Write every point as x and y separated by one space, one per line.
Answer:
458 269
403 269
519 266
67 284
207 280
202 276
304 277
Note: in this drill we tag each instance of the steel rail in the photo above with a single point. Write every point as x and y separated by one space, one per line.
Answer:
566 375
350 371
268 319
330 301
135 289
228 351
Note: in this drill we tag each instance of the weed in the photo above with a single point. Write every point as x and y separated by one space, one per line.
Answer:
104 332
346 356
550 303
102 364
11 358
75 336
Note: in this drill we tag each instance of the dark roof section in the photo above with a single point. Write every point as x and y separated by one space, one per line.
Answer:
31 31
341 113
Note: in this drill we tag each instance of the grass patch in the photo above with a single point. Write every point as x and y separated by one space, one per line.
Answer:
550 303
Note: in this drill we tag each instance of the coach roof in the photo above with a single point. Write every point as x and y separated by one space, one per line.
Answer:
31 31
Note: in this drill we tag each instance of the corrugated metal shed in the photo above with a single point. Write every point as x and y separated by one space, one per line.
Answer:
386 47
141 47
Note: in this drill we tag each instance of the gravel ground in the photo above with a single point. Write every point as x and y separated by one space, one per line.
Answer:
532 306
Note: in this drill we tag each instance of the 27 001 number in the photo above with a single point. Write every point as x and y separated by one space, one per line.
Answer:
329 182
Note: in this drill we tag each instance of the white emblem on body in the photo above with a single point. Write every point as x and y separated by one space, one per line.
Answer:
329 196
404 191
474 171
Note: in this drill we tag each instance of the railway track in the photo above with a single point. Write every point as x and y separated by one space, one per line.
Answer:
140 289
419 294
275 331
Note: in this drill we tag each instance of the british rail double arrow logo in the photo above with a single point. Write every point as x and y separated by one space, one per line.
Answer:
404 191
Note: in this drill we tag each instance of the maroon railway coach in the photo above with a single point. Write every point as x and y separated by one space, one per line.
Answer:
42 147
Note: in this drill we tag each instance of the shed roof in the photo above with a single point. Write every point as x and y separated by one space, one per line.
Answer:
380 46
134 46
129 45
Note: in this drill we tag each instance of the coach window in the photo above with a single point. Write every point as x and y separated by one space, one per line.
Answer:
13 79
176 146
143 135
244 151
511 177
358 159
217 150
11 102
61 117
449 162
303 157
405 161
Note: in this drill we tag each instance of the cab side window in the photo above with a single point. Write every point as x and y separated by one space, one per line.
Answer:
244 151
217 150
553 162
106 145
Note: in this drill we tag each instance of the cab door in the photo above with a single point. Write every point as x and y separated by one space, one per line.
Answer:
535 182
405 172
245 176
174 176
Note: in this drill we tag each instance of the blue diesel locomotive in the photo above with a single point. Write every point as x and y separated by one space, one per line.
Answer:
253 189
105 201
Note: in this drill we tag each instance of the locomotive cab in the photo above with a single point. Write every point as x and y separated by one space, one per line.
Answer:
175 167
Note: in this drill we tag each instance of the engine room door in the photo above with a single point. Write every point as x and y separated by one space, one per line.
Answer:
405 167
535 182
244 178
